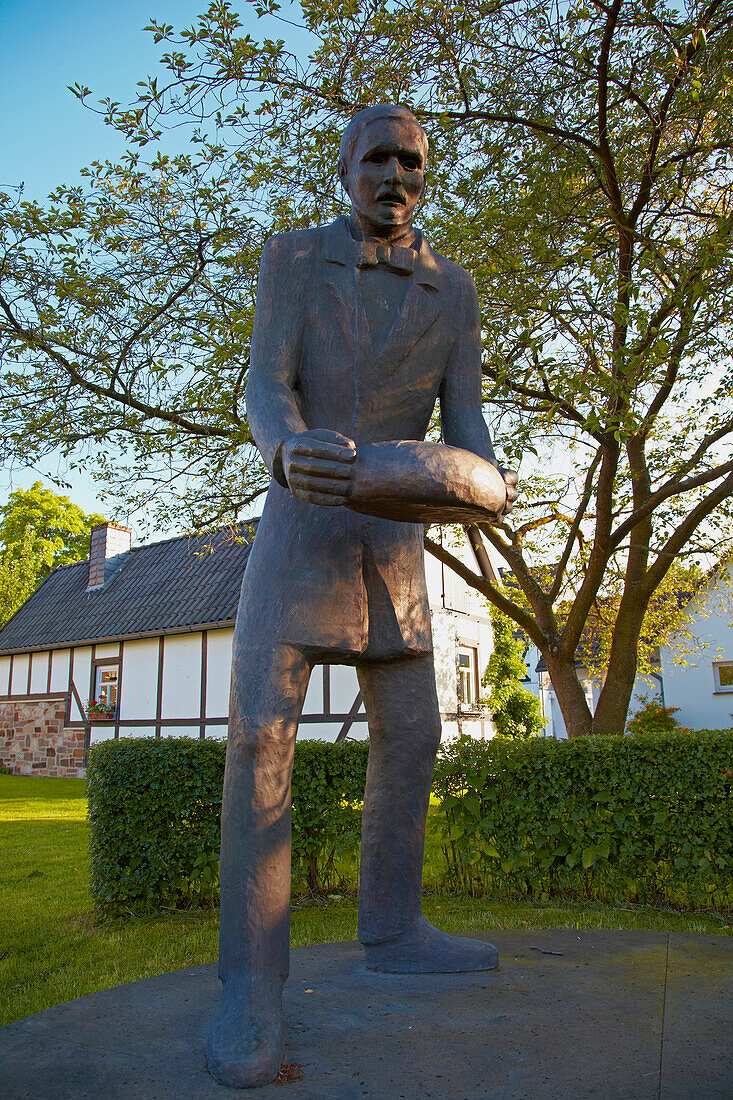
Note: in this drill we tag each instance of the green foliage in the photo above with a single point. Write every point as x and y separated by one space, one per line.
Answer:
647 818
154 809
60 528
155 805
653 717
59 951
20 568
328 790
516 712
580 170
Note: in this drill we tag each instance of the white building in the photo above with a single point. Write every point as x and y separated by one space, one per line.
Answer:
137 641
591 680
697 660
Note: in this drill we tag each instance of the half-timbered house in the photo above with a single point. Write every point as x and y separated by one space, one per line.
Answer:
137 641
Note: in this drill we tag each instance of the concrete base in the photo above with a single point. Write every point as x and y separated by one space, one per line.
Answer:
617 1014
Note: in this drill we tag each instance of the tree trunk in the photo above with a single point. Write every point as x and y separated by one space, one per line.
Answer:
570 695
613 703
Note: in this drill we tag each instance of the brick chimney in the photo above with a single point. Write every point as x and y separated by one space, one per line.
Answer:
107 541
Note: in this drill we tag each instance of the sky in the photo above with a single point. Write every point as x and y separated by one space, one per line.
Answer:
46 135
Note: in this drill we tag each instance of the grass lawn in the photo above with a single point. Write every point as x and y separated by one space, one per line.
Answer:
54 948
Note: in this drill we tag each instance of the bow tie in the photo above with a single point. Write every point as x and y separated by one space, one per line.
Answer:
397 259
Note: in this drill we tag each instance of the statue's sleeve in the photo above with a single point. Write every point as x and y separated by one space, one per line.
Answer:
272 409
460 393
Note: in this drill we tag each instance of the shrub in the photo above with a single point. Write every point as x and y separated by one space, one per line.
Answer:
154 810
515 711
155 806
328 790
648 818
653 717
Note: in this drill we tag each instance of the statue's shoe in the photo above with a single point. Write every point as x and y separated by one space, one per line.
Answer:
426 950
245 1043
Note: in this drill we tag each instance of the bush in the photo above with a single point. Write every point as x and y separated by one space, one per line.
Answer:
515 711
647 818
653 717
154 810
328 791
155 806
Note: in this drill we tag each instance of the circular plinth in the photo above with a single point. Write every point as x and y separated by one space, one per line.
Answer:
568 1014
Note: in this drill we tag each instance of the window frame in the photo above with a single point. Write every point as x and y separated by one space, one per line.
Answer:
99 669
718 687
471 673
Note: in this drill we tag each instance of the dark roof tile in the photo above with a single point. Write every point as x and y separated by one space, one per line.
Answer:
164 587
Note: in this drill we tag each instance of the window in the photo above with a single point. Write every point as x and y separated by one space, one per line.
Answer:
467 674
106 684
723 674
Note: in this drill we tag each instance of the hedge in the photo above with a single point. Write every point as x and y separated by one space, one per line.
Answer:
647 818
328 790
155 806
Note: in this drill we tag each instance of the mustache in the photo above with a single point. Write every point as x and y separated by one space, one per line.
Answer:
393 196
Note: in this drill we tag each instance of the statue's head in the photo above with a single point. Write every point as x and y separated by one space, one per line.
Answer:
382 167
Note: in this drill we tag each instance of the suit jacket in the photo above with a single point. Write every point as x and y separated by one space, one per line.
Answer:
327 579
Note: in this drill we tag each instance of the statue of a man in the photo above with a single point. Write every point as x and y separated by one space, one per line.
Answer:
359 328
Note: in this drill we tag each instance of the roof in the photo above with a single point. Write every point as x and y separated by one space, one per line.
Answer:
166 587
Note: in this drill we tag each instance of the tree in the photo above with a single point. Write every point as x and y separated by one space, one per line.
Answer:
39 526
516 712
20 569
583 174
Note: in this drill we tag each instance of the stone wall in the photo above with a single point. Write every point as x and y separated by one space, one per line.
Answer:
35 741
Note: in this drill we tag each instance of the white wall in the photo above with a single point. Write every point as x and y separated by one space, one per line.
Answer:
81 673
139 688
101 733
179 731
19 679
181 697
4 675
691 687
60 669
39 673
218 672
444 651
329 731
216 732
344 688
314 695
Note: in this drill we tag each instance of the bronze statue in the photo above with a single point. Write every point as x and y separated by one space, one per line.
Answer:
359 328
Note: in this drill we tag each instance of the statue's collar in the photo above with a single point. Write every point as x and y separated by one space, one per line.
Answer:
338 248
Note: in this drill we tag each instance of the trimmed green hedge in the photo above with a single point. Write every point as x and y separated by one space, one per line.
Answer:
154 810
155 806
328 790
647 818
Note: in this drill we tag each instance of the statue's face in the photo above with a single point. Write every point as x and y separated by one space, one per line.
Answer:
385 177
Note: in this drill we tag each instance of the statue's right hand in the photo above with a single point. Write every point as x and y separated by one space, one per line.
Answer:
318 466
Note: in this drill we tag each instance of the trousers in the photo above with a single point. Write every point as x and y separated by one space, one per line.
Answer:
269 683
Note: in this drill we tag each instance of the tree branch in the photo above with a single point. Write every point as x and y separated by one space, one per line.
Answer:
497 598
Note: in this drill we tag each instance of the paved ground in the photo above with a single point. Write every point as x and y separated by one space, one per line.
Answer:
616 1014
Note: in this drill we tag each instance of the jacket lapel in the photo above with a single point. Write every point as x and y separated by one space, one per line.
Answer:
338 251
419 309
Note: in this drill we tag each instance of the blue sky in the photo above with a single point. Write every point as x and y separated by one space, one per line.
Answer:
46 136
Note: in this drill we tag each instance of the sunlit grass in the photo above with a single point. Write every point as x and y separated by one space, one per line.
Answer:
53 946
